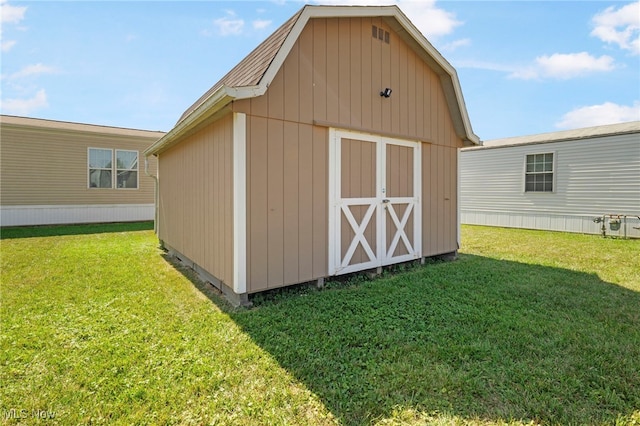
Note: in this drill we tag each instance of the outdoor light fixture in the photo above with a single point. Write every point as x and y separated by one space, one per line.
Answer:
386 92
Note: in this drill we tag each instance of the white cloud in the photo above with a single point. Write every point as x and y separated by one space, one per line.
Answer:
597 115
31 70
11 14
564 66
229 25
7 45
450 47
260 24
484 65
432 21
619 26
25 106
570 65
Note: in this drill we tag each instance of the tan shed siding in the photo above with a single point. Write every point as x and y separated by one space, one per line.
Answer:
326 80
48 166
439 200
286 203
196 204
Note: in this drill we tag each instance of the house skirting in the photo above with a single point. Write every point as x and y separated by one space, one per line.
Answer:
67 214
583 224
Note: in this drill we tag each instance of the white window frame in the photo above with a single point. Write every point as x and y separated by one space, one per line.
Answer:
553 172
114 168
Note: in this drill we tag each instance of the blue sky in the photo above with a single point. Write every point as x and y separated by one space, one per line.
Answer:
524 67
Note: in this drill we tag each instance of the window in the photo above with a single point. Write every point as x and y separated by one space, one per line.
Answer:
127 169
539 173
100 168
105 173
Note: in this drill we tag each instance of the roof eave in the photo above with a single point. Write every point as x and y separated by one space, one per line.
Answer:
216 102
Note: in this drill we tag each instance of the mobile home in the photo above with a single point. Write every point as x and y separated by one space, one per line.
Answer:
576 181
54 172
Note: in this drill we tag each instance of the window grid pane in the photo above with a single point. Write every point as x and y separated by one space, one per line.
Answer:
100 158
539 173
127 160
100 178
127 179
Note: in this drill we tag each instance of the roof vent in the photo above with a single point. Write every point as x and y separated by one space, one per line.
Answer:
380 34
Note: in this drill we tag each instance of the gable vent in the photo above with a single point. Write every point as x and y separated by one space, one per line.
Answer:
380 34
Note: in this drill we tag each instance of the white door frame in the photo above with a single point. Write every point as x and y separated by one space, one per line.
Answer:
380 207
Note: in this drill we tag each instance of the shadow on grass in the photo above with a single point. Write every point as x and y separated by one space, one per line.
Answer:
57 230
474 339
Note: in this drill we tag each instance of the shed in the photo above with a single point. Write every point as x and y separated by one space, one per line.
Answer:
559 181
56 172
331 148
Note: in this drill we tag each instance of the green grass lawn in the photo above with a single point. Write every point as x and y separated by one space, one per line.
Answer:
98 327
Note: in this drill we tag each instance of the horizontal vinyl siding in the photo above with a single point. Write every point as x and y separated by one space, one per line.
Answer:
592 177
41 166
196 198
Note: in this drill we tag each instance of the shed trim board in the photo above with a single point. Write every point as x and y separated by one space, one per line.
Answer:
380 208
458 210
239 202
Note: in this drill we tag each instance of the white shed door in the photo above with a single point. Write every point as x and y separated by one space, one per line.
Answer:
374 194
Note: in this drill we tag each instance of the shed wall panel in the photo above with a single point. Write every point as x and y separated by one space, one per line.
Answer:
287 203
439 205
195 200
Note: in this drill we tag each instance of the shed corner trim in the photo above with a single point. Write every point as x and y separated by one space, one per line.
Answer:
239 203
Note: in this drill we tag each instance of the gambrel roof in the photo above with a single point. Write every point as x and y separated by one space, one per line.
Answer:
253 75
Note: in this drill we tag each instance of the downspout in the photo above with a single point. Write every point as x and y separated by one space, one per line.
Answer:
156 188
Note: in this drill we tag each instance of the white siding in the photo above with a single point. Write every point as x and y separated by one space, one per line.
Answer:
61 214
592 177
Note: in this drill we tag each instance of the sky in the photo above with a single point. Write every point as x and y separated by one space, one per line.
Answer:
525 67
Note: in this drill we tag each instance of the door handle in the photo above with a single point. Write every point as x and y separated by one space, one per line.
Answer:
386 201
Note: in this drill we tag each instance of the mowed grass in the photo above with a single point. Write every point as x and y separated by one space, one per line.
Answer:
526 327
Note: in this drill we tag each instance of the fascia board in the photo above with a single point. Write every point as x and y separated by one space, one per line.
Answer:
218 100
246 92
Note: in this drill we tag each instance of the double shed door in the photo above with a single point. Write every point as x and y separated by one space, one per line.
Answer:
374 194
